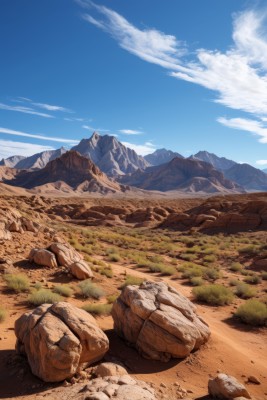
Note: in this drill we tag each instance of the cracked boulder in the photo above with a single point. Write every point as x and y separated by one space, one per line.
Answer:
158 321
59 340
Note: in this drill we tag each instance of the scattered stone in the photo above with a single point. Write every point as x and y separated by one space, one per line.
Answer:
254 379
158 321
227 387
109 369
59 340
81 270
43 257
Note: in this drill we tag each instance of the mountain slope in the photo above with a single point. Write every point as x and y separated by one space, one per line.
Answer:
161 156
40 160
110 155
220 163
249 177
12 161
73 170
182 174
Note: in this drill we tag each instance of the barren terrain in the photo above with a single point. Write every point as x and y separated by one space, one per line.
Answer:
124 237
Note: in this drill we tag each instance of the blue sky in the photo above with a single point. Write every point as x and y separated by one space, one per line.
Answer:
186 75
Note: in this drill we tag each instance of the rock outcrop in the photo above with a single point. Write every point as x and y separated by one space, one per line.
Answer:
158 321
227 387
43 257
59 340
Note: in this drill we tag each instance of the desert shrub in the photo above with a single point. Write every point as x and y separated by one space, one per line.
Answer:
210 258
193 271
63 290
43 296
251 249
188 257
196 281
235 267
132 280
234 282
252 279
253 312
98 309
162 268
114 257
211 274
89 289
107 271
264 276
245 291
216 295
38 285
112 298
3 314
17 282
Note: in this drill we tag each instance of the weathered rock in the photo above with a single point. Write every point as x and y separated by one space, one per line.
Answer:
5 235
227 387
43 257
65 254
15 226
158 321
109 369
254 379
58 340
81 270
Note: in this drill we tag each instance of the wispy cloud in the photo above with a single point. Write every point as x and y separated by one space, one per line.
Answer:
142 149
238 76
249 125
130 132
50 107
7 131
92 129
76 119
261 162
24 110
9 148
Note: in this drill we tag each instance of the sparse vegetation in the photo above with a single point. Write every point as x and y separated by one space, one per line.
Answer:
252 312
112 298
245 291
43 296
196 281
89 289
3 314
252 279
132 280
17 282
98 309
63 290
216 295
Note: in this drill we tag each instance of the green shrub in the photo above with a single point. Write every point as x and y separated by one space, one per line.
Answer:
264 276
63 290
196 281
252 279
252 312
162 268
210 258
245 291
112 298
188 257
89 289
132 280
38 285
211 274
107 271
43 296
235 267
216 295
3 314
192 272
234 282
17 282
98 309
114 257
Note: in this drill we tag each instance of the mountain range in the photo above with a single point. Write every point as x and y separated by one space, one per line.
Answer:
163 170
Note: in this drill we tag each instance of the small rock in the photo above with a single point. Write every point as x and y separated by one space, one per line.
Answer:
254 379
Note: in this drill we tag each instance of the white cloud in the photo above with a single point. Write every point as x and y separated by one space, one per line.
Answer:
238 75
130 132
142 149
9 148
7 131
25 110
49 107
92 129
249 125
261 162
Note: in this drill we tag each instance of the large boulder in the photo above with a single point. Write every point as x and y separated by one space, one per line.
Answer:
227 387
158 321
43 257
81 270
58 340
65 254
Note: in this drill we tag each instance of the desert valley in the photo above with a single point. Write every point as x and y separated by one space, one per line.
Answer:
99 231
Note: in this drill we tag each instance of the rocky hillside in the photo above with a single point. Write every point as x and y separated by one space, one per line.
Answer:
71 168
161 156
249 177
111 156
12 161
220 163
182 174
40 160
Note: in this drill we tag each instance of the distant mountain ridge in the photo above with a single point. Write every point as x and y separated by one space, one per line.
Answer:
111 156
12 161
161 156
220 163
182 174
249 177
